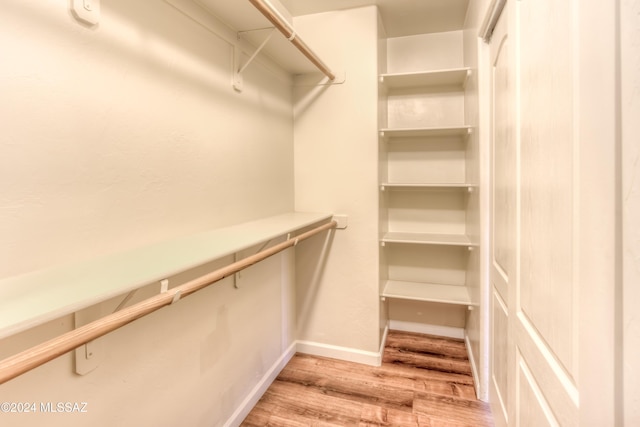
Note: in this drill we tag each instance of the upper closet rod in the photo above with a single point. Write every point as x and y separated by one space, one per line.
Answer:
42 353
281 24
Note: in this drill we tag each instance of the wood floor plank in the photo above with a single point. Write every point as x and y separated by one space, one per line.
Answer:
298 402
281 418
353 370
467 412
421 376
427 344
387 376
333 381
396 375
353 390
377 416
426 361
424 381
259 416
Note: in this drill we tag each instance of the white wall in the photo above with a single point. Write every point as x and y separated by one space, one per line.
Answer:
336 161
126 134
630 111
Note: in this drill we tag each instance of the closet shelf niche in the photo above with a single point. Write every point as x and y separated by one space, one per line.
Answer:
456 77
429 292
427 239
426 185
425 132
426 182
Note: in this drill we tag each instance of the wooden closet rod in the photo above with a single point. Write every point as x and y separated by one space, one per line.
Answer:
40 354
283 26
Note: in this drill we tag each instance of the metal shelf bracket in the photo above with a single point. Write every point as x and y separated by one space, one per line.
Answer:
237 53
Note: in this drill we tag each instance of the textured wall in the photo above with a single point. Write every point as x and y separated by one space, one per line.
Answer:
630 94
336 165
125 134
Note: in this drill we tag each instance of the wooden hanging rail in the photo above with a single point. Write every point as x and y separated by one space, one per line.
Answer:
283 26
38 355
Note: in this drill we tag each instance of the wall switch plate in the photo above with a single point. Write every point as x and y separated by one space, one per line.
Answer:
87 11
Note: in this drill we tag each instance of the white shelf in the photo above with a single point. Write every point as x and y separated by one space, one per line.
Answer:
446 294
392 185
427 239
453 77
35 298
425 132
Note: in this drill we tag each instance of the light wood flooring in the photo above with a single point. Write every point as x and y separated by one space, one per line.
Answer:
424 381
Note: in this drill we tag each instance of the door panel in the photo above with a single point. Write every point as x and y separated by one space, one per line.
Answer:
537 412
533 215
545 332
554 254
557 389
546 173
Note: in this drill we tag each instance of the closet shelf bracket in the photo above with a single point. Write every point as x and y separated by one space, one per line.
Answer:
237 53
237 276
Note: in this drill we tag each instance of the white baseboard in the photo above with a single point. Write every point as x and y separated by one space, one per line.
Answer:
474 367
371 358
422 328
250 401
383 341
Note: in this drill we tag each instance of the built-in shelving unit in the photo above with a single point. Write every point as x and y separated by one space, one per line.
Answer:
423 173
32 299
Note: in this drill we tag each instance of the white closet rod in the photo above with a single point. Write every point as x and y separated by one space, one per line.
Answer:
283 26
40 354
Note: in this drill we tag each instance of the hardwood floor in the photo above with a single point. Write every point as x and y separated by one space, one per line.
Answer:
424 381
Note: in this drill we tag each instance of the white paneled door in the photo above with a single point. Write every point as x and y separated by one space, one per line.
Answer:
539 286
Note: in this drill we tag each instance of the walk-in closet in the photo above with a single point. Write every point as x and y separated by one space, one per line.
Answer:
319 212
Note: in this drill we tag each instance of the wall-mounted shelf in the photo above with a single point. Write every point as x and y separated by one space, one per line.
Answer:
35 298
442 78
427 239
407 186
431 292
425 132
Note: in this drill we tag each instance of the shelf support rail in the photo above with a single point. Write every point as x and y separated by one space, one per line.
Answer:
285 28
40 354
